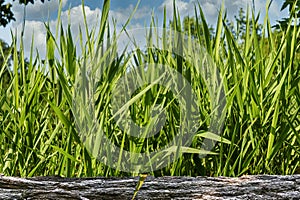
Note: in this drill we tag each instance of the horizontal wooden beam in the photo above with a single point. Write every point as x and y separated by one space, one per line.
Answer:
245 187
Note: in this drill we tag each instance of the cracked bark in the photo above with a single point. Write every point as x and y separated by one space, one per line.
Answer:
245 187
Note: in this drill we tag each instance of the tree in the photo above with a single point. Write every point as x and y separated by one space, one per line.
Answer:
190 24
5 54
293 13
6 14
6 60
4 51
239 26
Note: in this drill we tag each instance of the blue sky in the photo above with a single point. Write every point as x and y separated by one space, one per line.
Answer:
120 11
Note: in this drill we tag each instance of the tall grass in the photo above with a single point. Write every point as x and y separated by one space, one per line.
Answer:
260 78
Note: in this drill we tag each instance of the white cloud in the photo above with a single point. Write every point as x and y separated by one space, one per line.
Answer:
260 8
122 15
34 23
184 8
76 19
37 11
211 8
5 34
74 16
37 29
275 9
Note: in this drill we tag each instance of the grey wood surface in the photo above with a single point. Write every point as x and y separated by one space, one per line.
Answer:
245 187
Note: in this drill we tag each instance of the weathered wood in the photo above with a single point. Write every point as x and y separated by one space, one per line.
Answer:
246 187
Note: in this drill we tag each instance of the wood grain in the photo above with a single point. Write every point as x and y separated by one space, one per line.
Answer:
245 187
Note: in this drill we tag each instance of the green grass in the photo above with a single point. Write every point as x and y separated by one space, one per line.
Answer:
260 76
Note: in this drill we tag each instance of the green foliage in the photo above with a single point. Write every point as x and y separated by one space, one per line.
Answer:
189 25
6 15
260 75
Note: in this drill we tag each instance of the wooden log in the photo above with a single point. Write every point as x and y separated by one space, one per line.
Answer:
245 187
